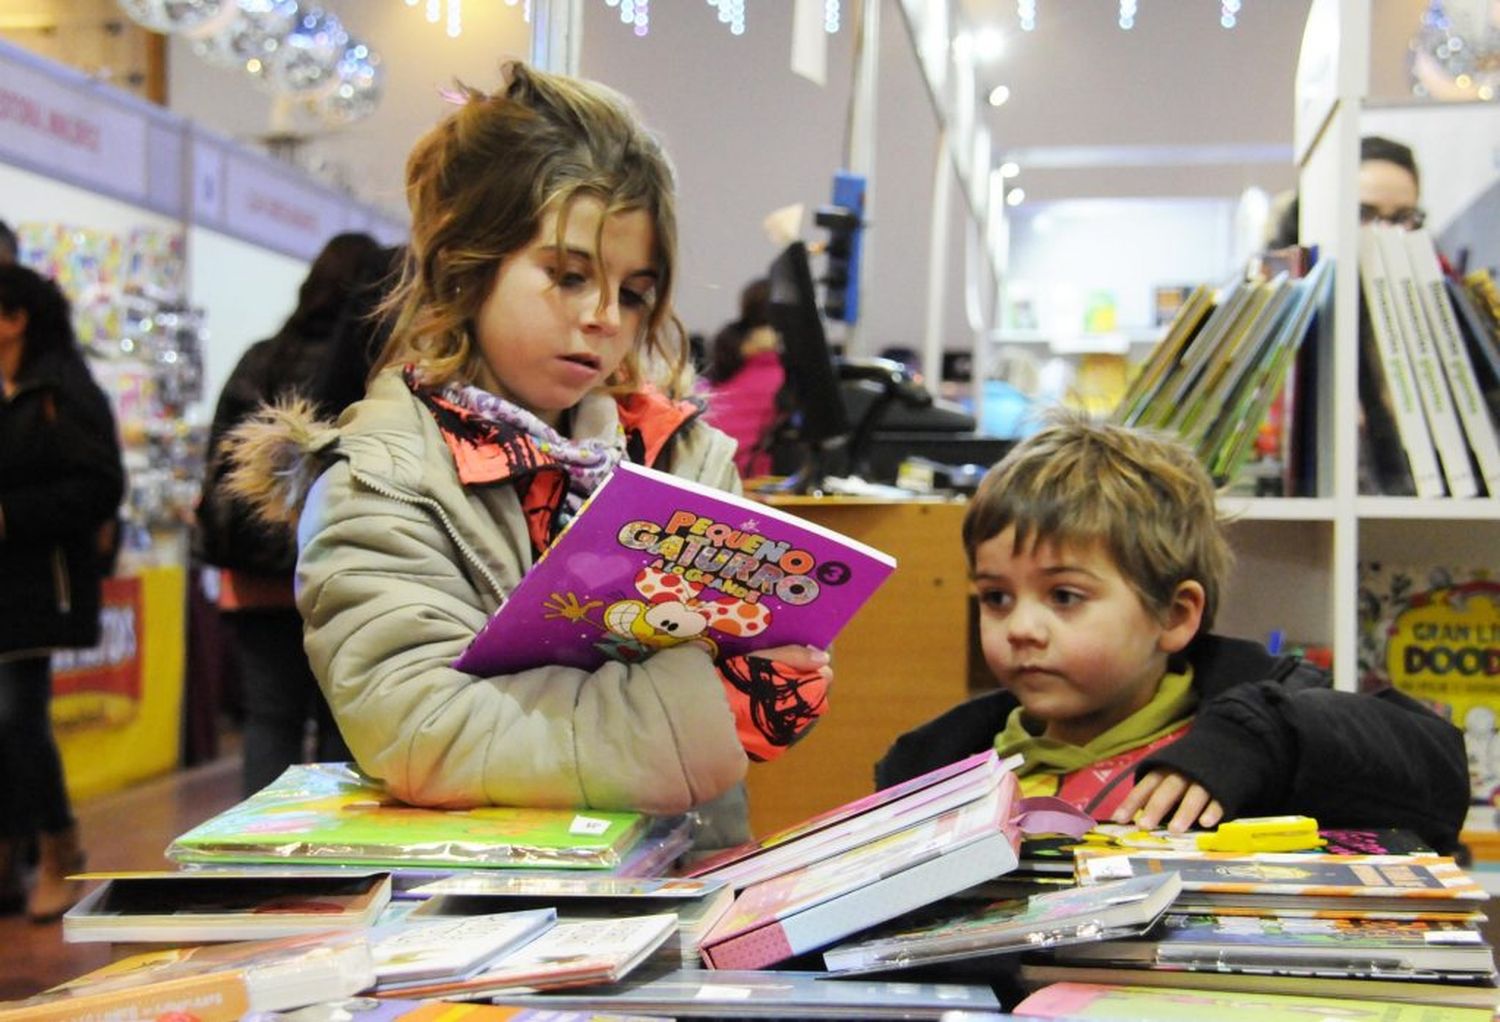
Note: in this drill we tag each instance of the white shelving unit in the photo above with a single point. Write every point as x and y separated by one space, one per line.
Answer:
1300 558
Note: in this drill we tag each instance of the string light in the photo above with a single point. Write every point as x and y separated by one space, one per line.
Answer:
831 16
1229 12
1127 14
1026 14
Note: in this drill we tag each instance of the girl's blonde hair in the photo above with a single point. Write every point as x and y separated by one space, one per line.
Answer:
1141 494
479 186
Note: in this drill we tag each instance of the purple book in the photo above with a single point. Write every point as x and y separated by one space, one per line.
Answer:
653 561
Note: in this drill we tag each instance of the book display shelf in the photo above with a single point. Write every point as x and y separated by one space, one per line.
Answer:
1288 546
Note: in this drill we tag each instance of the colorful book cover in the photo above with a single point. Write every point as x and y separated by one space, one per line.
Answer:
1108 1002
1434 634
211 982
579 885
653 561
1305 878
332 813
408 952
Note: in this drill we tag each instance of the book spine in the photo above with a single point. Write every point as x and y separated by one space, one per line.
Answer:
1396 368
1467 399
1427 369
215 997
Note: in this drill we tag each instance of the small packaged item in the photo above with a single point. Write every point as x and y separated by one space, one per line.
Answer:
1263 834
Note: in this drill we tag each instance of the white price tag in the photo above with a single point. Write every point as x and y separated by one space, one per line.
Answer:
1110 867
590 825
715 992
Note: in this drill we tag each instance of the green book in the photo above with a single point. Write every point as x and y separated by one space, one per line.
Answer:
330 813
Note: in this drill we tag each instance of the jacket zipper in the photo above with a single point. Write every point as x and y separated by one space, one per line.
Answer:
60 579
427 502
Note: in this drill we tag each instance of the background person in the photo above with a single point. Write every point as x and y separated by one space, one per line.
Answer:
61 481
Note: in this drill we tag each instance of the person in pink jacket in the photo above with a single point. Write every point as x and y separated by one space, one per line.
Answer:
745 377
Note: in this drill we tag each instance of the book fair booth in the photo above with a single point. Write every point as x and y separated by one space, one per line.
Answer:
151 225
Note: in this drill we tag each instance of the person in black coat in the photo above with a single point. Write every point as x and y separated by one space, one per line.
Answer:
1098 558
278 690
61 481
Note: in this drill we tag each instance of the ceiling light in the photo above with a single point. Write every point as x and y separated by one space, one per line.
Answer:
999 94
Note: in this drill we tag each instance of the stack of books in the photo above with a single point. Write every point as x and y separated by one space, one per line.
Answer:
1400 928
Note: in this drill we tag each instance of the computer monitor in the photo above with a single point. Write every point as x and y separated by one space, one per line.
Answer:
822 424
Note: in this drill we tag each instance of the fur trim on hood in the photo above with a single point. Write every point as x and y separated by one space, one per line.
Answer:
274 458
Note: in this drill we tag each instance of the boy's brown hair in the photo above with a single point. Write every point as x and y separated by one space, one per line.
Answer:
479 186
1140 493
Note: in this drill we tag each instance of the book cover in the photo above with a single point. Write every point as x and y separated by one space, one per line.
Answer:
1382 465
1393 365
1110 1001
653 561
696 993
1434 633
196 907
393 1009
1463 384
1165 355
1197 353
570 953
1313 880
812 907
569 887
1427 368
1385 948
211 982
1384 992
883 812
332 813
1480 341
943 933
410 951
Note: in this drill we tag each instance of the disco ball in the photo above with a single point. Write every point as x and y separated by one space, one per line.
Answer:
306 62
251 36
177 15
358 87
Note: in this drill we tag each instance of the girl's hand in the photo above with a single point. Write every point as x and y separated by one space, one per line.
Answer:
1155 795
777 695
801 658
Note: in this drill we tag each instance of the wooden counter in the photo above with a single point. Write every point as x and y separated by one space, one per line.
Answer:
902 660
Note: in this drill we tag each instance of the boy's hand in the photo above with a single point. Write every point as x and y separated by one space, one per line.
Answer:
1155 795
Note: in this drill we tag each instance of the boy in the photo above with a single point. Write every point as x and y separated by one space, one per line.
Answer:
1098 560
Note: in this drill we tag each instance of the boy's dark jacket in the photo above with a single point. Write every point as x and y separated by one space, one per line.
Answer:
1270 736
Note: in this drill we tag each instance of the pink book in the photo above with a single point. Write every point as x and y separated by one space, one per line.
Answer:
653 561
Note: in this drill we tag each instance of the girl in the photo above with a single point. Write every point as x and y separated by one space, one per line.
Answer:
534 347
745 377
61 481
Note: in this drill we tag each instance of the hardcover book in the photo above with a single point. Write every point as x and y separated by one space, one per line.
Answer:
835 897
571 953
211 982
332 813
198 907
1356 883
653 561
701 993
409 952
864 819
1377 948
943 933
1110 1001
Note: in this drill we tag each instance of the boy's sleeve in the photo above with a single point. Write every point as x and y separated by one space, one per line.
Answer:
1345 758
968 728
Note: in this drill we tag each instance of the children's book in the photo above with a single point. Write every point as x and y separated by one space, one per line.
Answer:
570 953
945 932
332 813
409 952
653 561
864 819
1356 884
1040 973
197 907
1434 633
698 904
1377 948
697 993
1107 1002
210 982
812 907
394 1009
